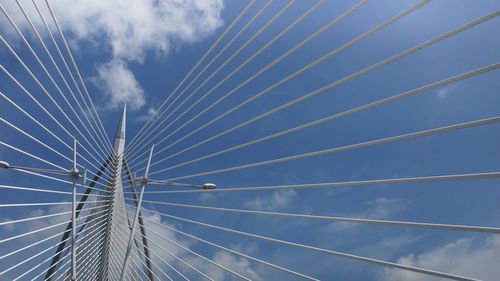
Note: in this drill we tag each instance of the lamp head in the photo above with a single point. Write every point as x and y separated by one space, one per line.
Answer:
4 165
208 186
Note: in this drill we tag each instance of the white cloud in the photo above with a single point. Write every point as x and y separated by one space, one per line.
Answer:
42 223
444 92
160 256
276 200
118 83
145 117
28 255
133 27
388 247
158 235
129 29
240 265
467 257
382 207
205 197
379 208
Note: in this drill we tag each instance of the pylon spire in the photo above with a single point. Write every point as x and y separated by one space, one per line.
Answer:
117 222
120 130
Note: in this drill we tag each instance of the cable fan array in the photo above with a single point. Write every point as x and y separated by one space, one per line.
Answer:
78 205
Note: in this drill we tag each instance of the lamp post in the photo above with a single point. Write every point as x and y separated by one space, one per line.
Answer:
74 175
144 182
7 165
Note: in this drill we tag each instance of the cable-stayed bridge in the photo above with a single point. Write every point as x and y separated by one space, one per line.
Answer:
107 195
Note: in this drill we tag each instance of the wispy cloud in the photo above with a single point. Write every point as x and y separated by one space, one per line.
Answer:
379 208
240 265
276 200
388 247
205 197
444 92
468 257
39 223
237 264
382 207
145 117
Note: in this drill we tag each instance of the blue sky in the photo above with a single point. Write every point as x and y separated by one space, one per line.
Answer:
148 66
